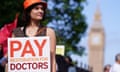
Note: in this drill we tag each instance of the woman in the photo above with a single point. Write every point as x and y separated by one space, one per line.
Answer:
34 11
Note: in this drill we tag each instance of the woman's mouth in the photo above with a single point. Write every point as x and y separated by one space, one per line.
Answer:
40 14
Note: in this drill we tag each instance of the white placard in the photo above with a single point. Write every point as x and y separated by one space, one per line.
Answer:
30 54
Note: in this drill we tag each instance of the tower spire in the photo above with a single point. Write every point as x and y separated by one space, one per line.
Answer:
97 24
97 15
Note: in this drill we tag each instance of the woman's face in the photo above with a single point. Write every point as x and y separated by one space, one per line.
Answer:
37 12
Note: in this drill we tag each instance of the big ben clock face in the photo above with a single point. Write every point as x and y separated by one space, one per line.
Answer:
96 39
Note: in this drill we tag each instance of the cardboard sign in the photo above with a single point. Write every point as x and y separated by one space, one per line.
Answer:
30 54
60 50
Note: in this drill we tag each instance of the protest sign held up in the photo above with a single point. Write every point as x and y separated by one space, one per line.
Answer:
29 54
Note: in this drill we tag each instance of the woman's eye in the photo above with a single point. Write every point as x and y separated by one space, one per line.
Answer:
42 8
36 8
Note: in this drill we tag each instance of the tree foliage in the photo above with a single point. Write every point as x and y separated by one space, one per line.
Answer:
8 10
65 16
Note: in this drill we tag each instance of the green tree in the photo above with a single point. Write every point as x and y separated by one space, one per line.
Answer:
66 17
8 10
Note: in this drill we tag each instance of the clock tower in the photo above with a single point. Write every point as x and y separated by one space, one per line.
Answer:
96 42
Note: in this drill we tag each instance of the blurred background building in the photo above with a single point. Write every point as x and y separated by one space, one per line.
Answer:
96 43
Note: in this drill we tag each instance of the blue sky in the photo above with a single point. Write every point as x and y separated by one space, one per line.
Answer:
111 21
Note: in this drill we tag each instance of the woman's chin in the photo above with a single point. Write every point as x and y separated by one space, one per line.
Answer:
40 18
